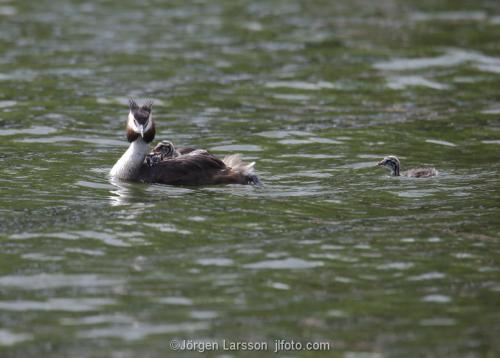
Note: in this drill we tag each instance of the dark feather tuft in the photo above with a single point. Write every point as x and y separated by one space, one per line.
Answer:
132 104
148 105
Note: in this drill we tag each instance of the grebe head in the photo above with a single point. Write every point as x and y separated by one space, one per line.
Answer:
391 162
140 122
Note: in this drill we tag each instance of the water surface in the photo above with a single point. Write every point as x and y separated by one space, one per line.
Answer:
330 248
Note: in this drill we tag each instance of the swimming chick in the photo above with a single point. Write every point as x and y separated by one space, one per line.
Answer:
184 166
392 162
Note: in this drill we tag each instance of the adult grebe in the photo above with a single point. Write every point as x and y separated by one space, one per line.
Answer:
168 165
392 162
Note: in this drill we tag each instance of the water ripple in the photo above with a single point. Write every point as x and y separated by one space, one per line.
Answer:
436 298
38 130
289 263
441 142
301 85
44 281
402 82
183 301
427 276
396 266
57 304
452 57
8 338
449 16
98 319
139 331
219 261
109 238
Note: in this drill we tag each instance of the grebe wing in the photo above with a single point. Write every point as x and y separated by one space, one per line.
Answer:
185 150
183 170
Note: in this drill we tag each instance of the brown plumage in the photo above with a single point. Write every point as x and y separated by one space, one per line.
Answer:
420 172
200 168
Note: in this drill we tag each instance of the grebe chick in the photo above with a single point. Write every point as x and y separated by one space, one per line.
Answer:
174 166
164 149
392 162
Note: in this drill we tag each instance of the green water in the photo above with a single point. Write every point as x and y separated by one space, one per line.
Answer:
331 249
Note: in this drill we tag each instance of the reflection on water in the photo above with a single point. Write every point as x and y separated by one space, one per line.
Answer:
122 193
330 248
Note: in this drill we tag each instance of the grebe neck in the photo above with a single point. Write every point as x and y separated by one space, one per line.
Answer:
127 167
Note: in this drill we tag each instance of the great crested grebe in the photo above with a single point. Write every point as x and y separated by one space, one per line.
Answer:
175 166
392 162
